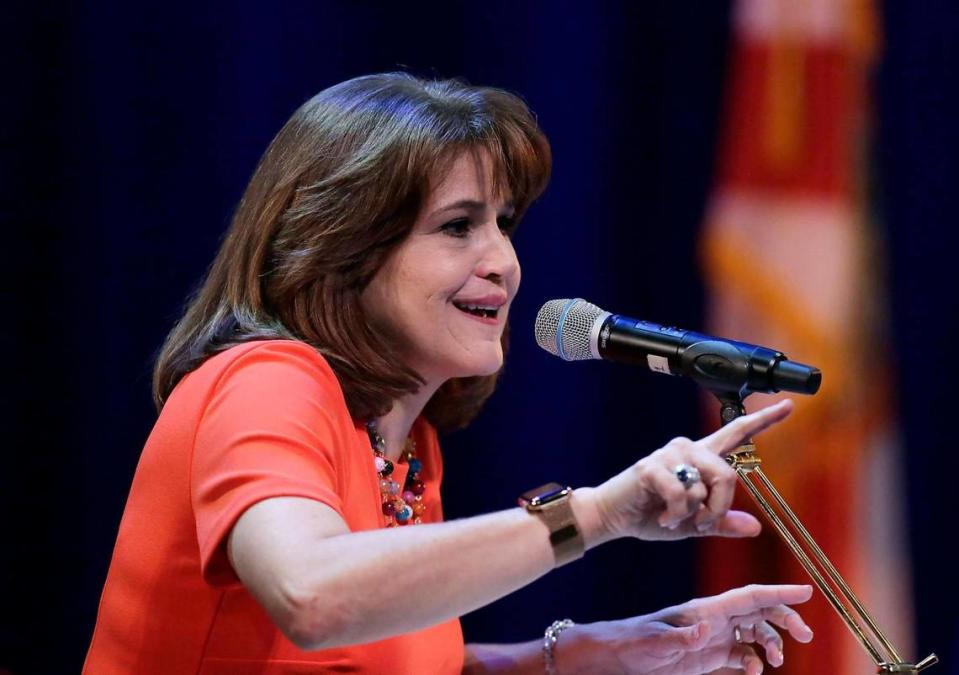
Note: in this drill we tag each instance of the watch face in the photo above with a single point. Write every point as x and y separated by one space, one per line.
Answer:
544 494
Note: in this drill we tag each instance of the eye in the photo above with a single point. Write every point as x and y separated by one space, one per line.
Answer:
506 224
456 228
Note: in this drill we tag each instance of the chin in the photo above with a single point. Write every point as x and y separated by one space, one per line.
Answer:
481 368
488 371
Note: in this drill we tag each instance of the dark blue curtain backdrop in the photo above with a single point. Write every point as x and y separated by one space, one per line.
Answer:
918 160
130 131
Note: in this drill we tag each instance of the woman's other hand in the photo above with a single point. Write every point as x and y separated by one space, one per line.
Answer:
698 636
648 501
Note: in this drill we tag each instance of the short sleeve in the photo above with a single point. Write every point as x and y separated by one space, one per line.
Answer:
273 426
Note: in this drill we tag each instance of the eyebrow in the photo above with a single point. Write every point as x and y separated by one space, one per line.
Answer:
471 205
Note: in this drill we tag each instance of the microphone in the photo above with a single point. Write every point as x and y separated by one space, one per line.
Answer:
576 330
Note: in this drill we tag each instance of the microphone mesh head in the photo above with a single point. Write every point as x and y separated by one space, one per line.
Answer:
566 328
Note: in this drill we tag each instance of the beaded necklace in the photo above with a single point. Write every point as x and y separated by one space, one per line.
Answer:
400 507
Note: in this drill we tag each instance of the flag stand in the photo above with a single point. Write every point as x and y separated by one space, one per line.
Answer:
850 609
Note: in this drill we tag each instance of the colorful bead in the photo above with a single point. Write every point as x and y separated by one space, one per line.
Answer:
376 440
401 505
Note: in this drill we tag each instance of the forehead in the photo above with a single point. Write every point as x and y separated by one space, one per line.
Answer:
469 175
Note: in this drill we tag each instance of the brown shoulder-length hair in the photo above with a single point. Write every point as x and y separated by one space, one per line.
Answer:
333 195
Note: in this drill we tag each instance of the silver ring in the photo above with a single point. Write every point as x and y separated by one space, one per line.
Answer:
687 475
737 633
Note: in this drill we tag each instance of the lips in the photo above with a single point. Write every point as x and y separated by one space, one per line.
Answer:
486 307
477 310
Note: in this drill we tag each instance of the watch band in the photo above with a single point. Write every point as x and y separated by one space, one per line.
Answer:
564 532
557 514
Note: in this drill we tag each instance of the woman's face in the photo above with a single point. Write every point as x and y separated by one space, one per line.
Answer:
446 289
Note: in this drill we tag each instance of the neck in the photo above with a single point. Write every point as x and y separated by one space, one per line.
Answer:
395 425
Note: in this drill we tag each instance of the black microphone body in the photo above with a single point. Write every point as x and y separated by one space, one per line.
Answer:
719 364
576 330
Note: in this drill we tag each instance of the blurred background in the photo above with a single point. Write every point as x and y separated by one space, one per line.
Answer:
776 171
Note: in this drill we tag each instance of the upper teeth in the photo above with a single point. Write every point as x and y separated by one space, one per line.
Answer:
485 307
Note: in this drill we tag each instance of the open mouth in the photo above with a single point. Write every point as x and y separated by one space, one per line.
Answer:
477 310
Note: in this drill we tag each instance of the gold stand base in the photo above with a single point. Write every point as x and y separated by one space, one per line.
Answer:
912 668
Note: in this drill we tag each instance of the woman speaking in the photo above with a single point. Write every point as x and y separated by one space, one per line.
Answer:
285 514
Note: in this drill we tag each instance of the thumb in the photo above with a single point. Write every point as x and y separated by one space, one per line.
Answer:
733 524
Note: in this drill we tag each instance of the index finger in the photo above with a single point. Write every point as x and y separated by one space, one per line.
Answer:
728 438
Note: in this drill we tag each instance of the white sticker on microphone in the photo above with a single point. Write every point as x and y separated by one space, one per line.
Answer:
660 364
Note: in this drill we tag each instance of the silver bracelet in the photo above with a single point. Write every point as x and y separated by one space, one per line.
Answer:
549 642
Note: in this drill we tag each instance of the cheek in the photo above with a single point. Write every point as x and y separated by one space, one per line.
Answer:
439 280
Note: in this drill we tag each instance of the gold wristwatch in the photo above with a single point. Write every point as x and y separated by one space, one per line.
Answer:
550 503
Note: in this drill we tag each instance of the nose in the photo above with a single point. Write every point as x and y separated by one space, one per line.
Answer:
498 261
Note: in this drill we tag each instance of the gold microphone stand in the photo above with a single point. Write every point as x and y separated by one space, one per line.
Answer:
823 573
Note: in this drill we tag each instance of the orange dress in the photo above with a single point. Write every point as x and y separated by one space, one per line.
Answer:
260 420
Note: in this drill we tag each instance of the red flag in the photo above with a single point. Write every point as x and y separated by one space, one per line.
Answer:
791 262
